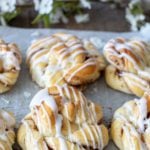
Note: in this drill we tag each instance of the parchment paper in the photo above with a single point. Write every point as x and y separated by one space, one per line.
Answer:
17 100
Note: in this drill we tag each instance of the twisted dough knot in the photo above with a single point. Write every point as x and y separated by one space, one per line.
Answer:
64 58
131 125
7 134
130 65
62 119
10 60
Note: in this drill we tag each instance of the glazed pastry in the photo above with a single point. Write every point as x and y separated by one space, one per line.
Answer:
61 118
129 69
10 60
7 134
130 127
64 58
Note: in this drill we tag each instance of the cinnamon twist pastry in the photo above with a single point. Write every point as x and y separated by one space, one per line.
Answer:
64 58
130 128
7 134
10 60
61 118
129 69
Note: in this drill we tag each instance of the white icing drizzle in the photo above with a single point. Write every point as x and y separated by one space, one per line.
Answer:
43 58
91 129
75 54
99 145
130 130
134 124
67 91
62 50
83 107
10 120
68 123
91 135
58 126
31 138
145 73
139 81
81 68
9 60
43 96
40 44
49 74
63 144
55 46
40 127
67 49
142 105
137 48
63 37
72 42
93 116
60 90
84 136
72 147
75 95
129 138
74 47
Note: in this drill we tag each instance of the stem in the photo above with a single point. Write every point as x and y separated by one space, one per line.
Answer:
46 21
37 19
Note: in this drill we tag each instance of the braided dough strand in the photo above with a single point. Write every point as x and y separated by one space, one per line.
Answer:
10 60
64 58
62 118
129 69
131 125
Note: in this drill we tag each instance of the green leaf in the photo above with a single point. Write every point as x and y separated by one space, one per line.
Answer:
9 16
37 19
69 8
137 9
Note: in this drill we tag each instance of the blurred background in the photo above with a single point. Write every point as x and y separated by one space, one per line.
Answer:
101 15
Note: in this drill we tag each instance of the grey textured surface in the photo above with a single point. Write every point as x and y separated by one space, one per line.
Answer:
17 100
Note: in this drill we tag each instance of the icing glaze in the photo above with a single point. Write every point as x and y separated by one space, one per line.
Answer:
68 94
65 52
134 124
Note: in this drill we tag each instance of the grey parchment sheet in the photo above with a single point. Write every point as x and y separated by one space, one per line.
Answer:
17 100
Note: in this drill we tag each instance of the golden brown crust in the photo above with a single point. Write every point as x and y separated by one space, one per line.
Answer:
64 58
129 69
62 117
10 60
125 82
130 128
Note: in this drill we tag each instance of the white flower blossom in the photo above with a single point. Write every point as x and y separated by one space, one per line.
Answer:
82 18
145 31
55 18
7 6
36 4
85 4
43 6
132 18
